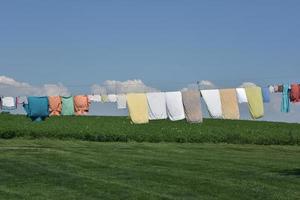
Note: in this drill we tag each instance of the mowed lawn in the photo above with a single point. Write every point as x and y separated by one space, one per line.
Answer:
55 169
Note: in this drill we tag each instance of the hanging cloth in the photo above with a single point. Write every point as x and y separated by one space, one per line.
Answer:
8 103
255 102
241 95
22 100
94 98
81 105
266 94
230 108
192 106
55 105
175 108
295 93
212 100
285 101
121 101
112 98
67 106
104 98
157 105
37 108
138 108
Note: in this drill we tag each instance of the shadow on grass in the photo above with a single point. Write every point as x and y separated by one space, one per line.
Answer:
290 172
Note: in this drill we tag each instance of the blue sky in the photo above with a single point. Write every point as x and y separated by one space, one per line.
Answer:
165 43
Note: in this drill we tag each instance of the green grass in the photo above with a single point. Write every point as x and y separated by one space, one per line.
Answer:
55 169
119 129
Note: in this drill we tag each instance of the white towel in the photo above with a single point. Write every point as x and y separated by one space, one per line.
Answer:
22 100
95 98
213 101
175 108
112 98
241 94
157 105
121 101
8 102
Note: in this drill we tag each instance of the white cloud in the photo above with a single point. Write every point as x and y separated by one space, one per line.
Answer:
247 84
11 87
117 87
205 84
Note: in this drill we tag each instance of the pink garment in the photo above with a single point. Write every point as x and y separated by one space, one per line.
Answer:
81 104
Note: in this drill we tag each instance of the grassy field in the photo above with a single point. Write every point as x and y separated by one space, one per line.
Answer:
119 129
55 169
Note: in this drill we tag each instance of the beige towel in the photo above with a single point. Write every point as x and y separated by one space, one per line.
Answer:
230 108
192 106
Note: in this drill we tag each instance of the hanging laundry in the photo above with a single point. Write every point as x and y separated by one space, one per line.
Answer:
271 89
8 103
285 102
212 100
121 101
192 106
280 88
22 100
94 98
266 94
55 105
255 102
81 104
112 98
138 108
157 105
241 95
37 108
175 108
230 108
276 88
67 105
104 98
295 93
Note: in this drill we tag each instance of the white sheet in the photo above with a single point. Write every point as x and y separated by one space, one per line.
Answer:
8 102
95 98
213 101
112 98
175 108
241 95
157 105
121 101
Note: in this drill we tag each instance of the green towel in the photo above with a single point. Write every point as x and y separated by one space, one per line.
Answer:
67 106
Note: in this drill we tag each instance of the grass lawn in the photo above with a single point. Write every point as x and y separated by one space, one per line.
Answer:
119 129
55 169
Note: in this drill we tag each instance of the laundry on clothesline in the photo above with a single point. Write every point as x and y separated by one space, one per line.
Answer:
142 107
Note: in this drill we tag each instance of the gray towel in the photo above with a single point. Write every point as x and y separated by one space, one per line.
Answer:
192 106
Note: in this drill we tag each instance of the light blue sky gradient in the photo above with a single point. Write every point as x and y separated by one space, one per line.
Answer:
166 43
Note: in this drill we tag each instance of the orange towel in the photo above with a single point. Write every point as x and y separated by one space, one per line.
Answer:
55 105
230 108
81 104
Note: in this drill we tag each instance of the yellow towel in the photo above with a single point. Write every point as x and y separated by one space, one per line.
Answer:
255 102
230 108
138 108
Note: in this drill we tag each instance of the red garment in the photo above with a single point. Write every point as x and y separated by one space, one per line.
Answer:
295 93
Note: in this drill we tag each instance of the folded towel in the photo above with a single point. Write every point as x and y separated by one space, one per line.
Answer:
175 108
192 106
157 105
55 105
255 102
138 108
67 106
121 101
266 94
241 95
212 100
230 108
